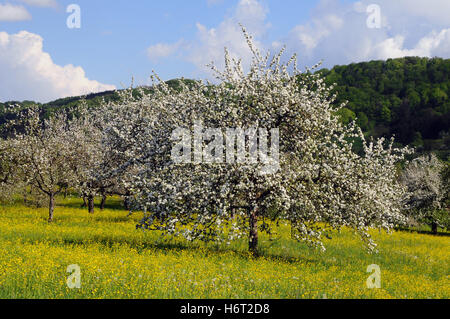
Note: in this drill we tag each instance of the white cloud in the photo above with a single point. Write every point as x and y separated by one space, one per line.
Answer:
210 42
41 3
9 12
29 73
310 35
338 33
162 50
428 46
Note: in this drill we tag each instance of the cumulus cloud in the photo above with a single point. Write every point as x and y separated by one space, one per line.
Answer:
28 73
209 43
338 33
433 44
9 12
162 50
311 34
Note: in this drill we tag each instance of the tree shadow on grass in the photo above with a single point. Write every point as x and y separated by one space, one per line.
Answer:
110 205
174 247
288 259
424 232
87 219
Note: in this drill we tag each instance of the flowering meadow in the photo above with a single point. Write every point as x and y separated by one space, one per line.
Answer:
119 261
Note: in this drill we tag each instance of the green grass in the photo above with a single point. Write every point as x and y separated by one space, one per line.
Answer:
119 261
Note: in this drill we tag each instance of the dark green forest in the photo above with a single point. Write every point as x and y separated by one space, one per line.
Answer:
407 98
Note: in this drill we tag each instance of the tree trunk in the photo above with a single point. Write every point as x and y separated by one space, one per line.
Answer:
126 203
51 207
25 196
91 204
84 202
102 204
434 227
253 237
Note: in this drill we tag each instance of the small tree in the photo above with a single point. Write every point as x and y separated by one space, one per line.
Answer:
9 179
50 152
425 200
116 129
90 175
312 179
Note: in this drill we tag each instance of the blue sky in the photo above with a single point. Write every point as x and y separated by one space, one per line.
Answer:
42 59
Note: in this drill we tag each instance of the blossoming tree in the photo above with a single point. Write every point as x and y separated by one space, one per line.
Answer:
48 154
319 183
425 199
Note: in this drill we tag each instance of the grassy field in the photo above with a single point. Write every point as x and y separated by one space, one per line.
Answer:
118 261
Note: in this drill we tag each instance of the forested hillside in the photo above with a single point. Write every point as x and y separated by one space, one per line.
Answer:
406 97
